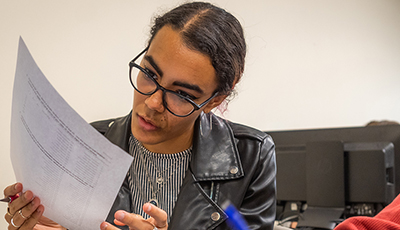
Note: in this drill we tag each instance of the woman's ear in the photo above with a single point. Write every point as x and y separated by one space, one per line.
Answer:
216 101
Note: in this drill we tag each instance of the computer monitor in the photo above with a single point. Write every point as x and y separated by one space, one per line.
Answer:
336 173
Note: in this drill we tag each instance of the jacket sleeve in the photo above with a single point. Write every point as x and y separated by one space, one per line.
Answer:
387 219
259 204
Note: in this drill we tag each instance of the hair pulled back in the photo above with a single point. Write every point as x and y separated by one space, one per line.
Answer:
213 32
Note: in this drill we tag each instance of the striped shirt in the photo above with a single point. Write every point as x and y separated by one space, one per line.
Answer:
147 166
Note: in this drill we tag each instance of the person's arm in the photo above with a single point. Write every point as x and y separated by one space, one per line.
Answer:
387 219
259 205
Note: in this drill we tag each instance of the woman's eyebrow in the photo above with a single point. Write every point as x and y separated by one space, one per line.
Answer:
153 64
196 88
189 86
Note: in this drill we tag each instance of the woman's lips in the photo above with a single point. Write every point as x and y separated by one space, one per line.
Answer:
146 125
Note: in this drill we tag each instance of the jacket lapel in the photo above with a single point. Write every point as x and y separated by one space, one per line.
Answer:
215 158
215 155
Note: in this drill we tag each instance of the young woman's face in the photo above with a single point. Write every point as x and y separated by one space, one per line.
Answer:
179 69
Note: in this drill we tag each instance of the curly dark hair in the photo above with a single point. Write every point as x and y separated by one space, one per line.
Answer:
212 31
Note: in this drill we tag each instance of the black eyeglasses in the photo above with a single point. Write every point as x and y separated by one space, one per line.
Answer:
145 83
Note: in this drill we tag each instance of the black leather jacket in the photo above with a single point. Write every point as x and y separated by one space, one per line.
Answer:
229 162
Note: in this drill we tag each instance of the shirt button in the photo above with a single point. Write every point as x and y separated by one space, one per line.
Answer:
215 216
234 170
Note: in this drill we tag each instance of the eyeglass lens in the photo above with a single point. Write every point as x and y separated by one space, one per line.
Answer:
144 84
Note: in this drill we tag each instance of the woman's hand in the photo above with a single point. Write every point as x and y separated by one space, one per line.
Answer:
158 219
25 212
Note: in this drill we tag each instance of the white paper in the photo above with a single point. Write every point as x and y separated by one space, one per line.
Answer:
72 168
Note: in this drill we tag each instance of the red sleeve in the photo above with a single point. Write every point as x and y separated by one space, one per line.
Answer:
388 219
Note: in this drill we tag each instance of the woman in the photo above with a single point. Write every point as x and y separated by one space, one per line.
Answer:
187 161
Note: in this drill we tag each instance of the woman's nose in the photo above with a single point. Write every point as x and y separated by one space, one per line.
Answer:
155 101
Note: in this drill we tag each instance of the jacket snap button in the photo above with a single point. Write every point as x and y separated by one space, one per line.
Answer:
215 216
234 170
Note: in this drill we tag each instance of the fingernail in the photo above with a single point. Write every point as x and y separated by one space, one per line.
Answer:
28 195
39 210
119 215
148 208
104 225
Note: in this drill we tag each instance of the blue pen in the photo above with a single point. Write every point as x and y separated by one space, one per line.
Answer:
235 219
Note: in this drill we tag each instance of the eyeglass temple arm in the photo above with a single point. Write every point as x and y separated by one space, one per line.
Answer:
140 54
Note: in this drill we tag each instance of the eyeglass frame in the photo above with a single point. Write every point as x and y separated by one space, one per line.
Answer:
196 106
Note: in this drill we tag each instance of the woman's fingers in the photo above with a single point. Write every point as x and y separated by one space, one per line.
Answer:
123 218
13 190
159 217
107 226
25 211
134 221
33 219
18 222
20 202
29 209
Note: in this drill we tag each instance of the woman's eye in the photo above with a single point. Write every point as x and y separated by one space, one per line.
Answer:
151 74
186 95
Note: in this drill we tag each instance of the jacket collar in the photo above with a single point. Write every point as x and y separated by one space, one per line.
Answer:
119 131
215 154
